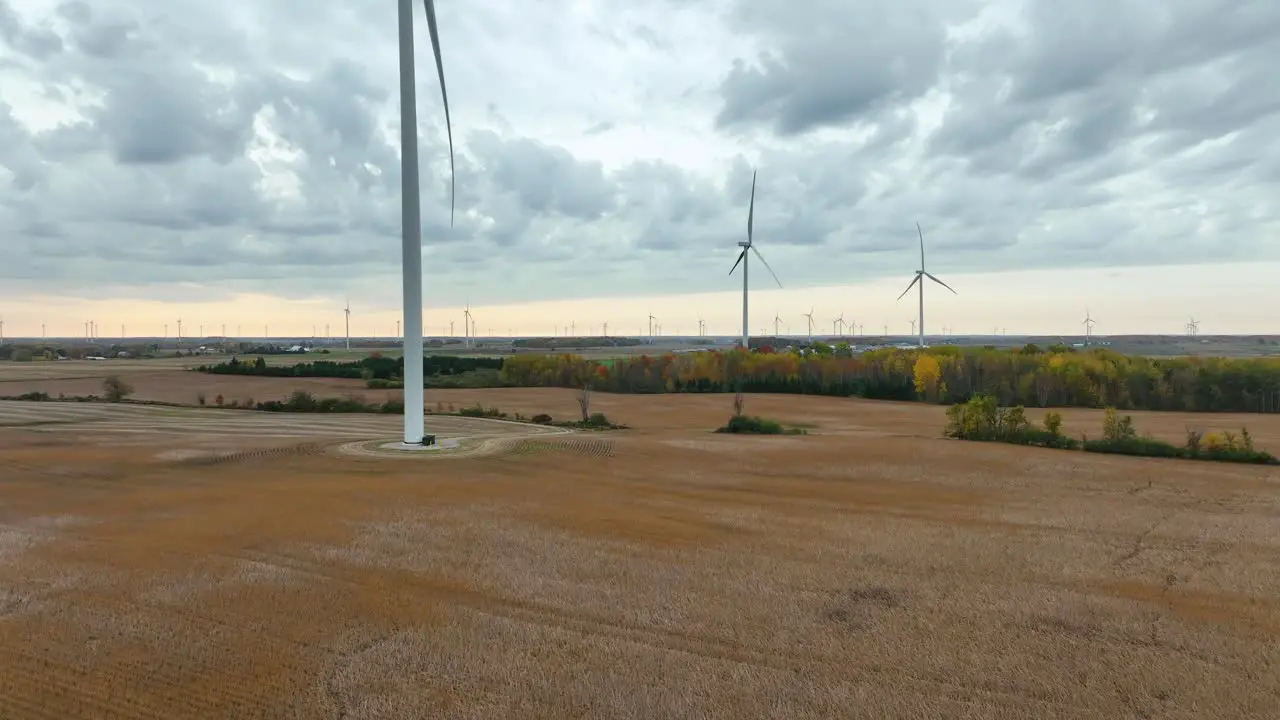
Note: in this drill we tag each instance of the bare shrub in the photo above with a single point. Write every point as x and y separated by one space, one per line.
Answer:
584 401
115 389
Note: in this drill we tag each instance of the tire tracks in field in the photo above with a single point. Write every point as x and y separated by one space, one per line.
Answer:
703 645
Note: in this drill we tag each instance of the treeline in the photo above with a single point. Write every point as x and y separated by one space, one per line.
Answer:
1029 376
370 368
551 343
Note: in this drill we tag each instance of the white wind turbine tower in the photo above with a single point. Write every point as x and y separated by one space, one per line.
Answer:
777 319
809 317
411 212
1088 323
742 258
347 316
921 274
913 325
1193 326
651 319
837 324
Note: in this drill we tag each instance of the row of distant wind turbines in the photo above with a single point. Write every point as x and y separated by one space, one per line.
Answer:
91 329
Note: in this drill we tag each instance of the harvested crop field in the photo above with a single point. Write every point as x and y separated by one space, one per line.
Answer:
869 569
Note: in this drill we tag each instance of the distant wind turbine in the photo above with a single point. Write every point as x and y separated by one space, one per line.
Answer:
466 325
742 259
605 329
651 319
809 317
347 316
1088 323
837 324
411 212
777 320
921 274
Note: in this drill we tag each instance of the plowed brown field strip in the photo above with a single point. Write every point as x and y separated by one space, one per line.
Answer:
171 563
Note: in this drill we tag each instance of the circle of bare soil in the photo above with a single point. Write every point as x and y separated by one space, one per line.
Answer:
509 440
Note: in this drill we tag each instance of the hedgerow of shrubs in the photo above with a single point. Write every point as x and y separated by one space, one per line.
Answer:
982 419
740 423
304 402
374 367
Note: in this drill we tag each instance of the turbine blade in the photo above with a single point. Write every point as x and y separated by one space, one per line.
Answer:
444 96
914 280
738 261
931 277
751 208
766 265
921 234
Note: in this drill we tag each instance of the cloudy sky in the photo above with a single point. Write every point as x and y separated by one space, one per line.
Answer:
237 163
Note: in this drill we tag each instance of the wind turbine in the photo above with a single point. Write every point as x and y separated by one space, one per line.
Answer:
411 212
837 324
921 274
913 325
809 316
1193 326
1088 323
466 325
605 328
742 258
651 319
776 321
